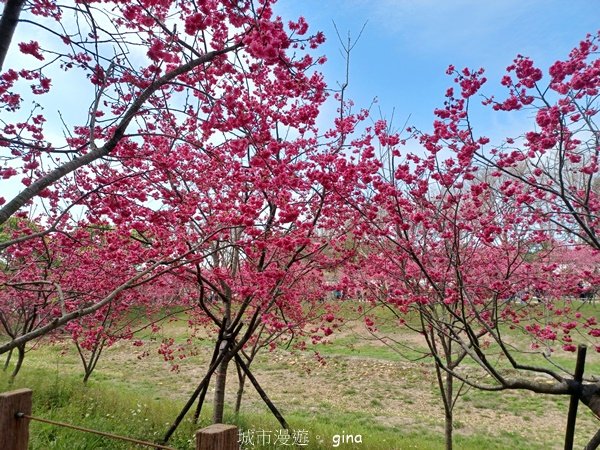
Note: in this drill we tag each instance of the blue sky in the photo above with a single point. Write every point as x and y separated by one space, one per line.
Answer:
407 45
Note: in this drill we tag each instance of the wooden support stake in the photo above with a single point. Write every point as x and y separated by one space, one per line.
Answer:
218 437
14 432
573 404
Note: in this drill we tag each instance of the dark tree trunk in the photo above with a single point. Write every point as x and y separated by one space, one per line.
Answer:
191 401
262 393
8 358
594 442
92 363
201 399
8 24
20 358
240 391
448 414
574 403
204 390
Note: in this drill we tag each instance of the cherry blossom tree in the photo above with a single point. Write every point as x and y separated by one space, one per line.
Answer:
139 314
157 85
553 169
281 225
449 262
193 154
460 230
50 278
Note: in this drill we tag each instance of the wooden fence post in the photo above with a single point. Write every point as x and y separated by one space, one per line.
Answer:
572 415
218 437
14 432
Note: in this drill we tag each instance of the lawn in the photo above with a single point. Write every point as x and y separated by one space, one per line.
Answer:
366 391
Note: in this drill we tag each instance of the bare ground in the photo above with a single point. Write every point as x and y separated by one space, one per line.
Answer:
396 393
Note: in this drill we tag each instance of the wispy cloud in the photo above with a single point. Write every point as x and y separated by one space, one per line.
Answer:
485 31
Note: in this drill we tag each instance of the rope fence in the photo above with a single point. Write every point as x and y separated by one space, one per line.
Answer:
21 415
15 415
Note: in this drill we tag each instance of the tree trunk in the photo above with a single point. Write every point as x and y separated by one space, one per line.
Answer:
8 358
594 442
220 382
240 391
90 364
201 399
448 429
214 357
574 403
95 357
8 24
262 392
191 401
21 357
445 380
448 414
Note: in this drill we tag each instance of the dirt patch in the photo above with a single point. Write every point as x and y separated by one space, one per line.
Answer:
398 394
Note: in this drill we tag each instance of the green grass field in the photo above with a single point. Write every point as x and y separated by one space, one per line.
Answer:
365 392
